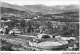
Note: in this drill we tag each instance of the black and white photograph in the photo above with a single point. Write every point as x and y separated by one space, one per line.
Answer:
39 25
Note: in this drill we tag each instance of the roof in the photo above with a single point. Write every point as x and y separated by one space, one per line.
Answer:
41 35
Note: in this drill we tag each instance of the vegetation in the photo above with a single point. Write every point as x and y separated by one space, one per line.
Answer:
64 24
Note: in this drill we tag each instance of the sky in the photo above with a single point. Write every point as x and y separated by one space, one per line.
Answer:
43 2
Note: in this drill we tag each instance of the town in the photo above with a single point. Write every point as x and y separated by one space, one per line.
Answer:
36 31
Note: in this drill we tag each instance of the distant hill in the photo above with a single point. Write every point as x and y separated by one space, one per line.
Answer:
56 13
52 9
15 7
10 10
42 8
62 17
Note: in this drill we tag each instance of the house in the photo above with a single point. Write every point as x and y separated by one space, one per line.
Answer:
16 31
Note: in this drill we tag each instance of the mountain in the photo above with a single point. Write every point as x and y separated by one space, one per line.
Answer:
10 10
35 8
16 7
52 9
42 8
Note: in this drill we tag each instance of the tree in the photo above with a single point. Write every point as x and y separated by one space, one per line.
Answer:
23 25
30 26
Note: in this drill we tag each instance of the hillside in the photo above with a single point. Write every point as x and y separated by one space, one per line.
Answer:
52 9
42 8
61 13
16 7
9 10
